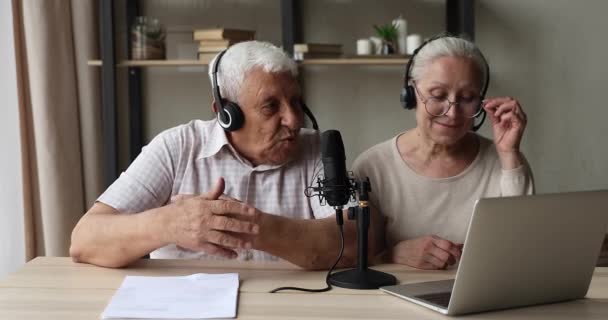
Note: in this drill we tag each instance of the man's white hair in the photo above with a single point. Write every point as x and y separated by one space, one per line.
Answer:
244 56
448 47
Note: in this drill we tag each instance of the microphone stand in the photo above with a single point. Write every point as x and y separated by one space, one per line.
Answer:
361 277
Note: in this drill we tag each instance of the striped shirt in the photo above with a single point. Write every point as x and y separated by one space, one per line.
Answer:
189 159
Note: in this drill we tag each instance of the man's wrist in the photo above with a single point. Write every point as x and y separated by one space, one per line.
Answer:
268 227
159 226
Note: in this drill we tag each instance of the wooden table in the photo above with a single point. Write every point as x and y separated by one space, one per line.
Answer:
57 288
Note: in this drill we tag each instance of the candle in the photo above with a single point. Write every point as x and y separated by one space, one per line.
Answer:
413 42
364 47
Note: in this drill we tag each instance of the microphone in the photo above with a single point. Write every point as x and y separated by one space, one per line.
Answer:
336 187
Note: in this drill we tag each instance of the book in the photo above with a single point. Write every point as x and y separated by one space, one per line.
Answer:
206 56
218 42
223 33
315 55
317 47
211 48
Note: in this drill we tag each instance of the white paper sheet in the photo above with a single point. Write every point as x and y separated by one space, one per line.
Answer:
197 296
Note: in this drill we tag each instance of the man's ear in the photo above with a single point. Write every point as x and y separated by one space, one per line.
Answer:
214 107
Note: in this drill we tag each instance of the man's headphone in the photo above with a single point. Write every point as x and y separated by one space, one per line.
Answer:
408 92
230 116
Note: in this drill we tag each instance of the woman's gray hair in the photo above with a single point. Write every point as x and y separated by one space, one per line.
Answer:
244 56
448 47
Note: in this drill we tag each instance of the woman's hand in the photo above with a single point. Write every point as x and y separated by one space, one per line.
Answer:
429 252
508 124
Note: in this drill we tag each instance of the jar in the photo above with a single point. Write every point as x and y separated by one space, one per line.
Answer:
147 39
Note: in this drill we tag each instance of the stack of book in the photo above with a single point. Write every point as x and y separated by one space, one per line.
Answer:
303 51
212 41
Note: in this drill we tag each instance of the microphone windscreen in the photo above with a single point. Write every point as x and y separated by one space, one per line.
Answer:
331 145
336 187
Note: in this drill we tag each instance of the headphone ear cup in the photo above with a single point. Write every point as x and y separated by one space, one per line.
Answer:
231 116
223 117
403 98
408 98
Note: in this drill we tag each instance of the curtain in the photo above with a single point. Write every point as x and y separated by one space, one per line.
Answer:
60 118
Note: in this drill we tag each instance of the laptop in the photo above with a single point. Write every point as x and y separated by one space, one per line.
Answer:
521 251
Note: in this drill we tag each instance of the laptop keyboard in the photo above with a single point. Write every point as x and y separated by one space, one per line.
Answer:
441 298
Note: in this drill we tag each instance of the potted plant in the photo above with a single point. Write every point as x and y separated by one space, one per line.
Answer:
388 34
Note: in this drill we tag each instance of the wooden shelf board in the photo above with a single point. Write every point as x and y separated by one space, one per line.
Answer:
337 61
355 61
152 63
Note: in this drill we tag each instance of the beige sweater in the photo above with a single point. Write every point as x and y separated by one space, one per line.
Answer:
416 205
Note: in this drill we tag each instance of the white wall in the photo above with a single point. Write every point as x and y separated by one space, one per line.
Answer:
12 247
360 101
550 54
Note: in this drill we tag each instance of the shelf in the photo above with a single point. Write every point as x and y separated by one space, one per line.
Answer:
337 61
152 63
355 61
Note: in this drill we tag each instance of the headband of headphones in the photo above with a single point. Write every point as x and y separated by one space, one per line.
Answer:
410 63
408 70
216 88
230 115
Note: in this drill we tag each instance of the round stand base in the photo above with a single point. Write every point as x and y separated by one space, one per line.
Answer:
362 279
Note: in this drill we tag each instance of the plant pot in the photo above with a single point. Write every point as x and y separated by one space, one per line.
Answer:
387 48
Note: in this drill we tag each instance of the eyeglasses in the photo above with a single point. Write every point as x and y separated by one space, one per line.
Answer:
437 107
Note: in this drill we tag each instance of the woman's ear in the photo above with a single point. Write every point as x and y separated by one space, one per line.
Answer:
214 107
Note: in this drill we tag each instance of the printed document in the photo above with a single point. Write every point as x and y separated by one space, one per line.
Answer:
197 296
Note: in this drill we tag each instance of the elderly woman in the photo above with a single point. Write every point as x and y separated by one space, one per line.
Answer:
426 180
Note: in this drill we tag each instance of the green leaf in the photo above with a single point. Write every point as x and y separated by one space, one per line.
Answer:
387 32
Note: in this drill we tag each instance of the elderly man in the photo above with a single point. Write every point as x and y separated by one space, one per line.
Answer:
231 187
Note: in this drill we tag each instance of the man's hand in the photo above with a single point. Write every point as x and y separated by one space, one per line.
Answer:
212 222
429 252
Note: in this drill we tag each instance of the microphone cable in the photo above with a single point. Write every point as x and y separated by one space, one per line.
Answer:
328 287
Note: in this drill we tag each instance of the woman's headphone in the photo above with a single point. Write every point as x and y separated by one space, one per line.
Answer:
230 116
408 92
